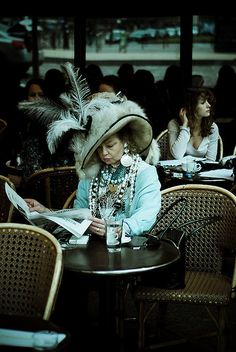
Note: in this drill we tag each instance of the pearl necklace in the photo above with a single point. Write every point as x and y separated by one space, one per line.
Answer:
109 175
107 191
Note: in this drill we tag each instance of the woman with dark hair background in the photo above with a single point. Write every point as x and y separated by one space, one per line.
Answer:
193 132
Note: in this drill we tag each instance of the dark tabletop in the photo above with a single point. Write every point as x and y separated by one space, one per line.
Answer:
95 259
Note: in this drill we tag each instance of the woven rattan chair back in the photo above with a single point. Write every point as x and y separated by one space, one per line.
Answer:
6 207
162 140
70 201
52 186
203 201
205 251
30 270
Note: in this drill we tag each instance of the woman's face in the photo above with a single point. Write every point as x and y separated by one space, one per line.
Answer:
203 108
111 150
103 87
35 92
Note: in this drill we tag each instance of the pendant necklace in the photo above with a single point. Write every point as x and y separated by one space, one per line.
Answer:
107 189
112 187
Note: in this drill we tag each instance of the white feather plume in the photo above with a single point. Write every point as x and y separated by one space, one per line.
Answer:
153 156
78 91
99 103
68 113
44 110
58 128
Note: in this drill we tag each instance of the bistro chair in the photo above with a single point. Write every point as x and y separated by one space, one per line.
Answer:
207 282
52 186
220 150
162 140
70 201
233 189
14 173
234 151
31 270
6 207
3 126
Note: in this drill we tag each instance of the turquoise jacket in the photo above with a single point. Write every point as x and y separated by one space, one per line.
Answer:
141 213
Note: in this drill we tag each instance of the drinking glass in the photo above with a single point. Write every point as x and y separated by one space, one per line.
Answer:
113 235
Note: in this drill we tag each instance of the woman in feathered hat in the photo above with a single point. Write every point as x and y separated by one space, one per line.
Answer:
111 138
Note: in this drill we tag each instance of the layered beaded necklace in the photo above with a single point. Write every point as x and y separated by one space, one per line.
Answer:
106 193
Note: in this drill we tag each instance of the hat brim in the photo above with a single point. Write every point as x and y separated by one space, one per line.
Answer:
139 127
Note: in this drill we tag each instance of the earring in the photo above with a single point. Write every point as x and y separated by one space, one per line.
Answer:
126 159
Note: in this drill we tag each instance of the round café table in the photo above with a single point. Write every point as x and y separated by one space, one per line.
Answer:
94 261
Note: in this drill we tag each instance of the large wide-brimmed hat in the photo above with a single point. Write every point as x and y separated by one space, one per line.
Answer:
110 114
90 120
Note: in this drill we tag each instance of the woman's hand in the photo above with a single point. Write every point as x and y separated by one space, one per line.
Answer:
34 205
183 117
98 227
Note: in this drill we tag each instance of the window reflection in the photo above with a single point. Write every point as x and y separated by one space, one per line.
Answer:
151 43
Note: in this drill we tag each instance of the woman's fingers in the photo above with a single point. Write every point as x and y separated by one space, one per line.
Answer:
98 226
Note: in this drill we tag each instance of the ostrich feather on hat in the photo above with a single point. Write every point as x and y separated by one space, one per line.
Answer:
91 120
66 114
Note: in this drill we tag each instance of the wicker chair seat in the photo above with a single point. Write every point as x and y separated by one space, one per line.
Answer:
201 288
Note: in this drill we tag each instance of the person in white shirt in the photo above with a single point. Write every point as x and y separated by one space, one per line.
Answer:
194 133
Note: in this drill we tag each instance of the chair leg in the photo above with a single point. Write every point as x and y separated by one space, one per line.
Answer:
144 311
141 326
122 291
222 325
120 308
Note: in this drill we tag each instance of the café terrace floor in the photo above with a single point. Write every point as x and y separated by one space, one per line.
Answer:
182 320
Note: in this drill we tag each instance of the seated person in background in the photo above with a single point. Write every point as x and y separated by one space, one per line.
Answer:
33 90
193 132
33 153
93 75
55 83
197 81
110 83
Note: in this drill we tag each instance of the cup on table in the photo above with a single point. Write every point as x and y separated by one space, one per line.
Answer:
113 235
190 167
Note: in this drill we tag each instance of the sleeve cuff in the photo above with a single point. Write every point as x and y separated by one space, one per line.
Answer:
187 129
127 230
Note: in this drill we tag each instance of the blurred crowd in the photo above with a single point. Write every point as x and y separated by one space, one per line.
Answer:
24 142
